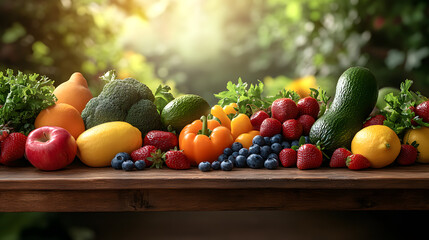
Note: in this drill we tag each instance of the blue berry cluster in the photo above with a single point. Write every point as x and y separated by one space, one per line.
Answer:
264 153
123 161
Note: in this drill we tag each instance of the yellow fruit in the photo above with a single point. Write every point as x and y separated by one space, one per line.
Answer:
98 145
421 136
378 143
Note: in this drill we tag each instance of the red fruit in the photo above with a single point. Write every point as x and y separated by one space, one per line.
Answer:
176 159
308 106
161 140
12 148
407 155
309 156
288 157
357 162
376 120
3 135
422 110
257 118
413 109
292 129
306 121
284 109
339 158
147 153
270 127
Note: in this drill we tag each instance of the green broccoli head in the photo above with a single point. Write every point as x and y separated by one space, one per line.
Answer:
144 116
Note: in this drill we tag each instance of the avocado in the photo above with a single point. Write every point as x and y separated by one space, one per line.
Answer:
355 98
184 110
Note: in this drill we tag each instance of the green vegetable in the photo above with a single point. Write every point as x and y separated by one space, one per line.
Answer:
321 96
22 97
398 109
162 97
123 100
355 98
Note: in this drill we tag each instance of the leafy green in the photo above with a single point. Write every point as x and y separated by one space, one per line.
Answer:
398 111
109 76
321 96
162 97
23 97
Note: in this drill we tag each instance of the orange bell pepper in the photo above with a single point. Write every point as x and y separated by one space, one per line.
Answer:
220 114
204 140
240 124
246 138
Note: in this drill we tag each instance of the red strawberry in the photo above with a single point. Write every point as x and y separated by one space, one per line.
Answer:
422 110
292 129
284 109
257 118
306 121
12 148
287 157
376 120
161 140
176 159
357 161
308 106
270 127
3 134
407 155
309 156
150 154
413 109
339 158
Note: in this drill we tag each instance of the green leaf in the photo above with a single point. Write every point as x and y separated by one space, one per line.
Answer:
162 97
109 76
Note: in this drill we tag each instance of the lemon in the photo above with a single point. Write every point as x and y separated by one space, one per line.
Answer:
98 145
421 136
378 143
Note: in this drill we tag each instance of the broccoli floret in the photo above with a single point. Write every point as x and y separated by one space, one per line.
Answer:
144 116
142 90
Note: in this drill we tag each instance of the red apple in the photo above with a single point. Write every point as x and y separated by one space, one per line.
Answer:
50 148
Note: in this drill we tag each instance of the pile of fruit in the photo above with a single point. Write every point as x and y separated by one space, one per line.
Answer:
129 127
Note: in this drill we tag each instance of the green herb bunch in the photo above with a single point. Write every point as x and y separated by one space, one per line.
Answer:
22 97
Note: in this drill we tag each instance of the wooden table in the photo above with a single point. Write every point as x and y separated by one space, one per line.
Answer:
80 188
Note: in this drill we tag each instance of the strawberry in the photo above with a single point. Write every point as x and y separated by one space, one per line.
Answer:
161 140
270 127
376 120
292 129
408 154
306 121
339 158
287 157
422 110
413 109
257 118
357 162
176 159
284 109
309 156
308 106
3 134
12 148
150 154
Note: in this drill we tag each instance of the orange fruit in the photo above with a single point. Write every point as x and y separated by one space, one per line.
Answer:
421 136
61 115
378 143
75 92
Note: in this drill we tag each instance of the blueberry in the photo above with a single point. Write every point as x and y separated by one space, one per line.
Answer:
116 163
271 163
216 165
276 148
240 161
140 164
295 143
285 144
307 139
255 149
222 157
124 156
267 140
128 165
231 158
244 152
227 151
235 154
226 165
265 151
276 139
258 139
255 161
273 155
236 146
204 166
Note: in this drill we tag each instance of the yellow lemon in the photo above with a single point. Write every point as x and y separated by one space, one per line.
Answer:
98 145
378 143
421 136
